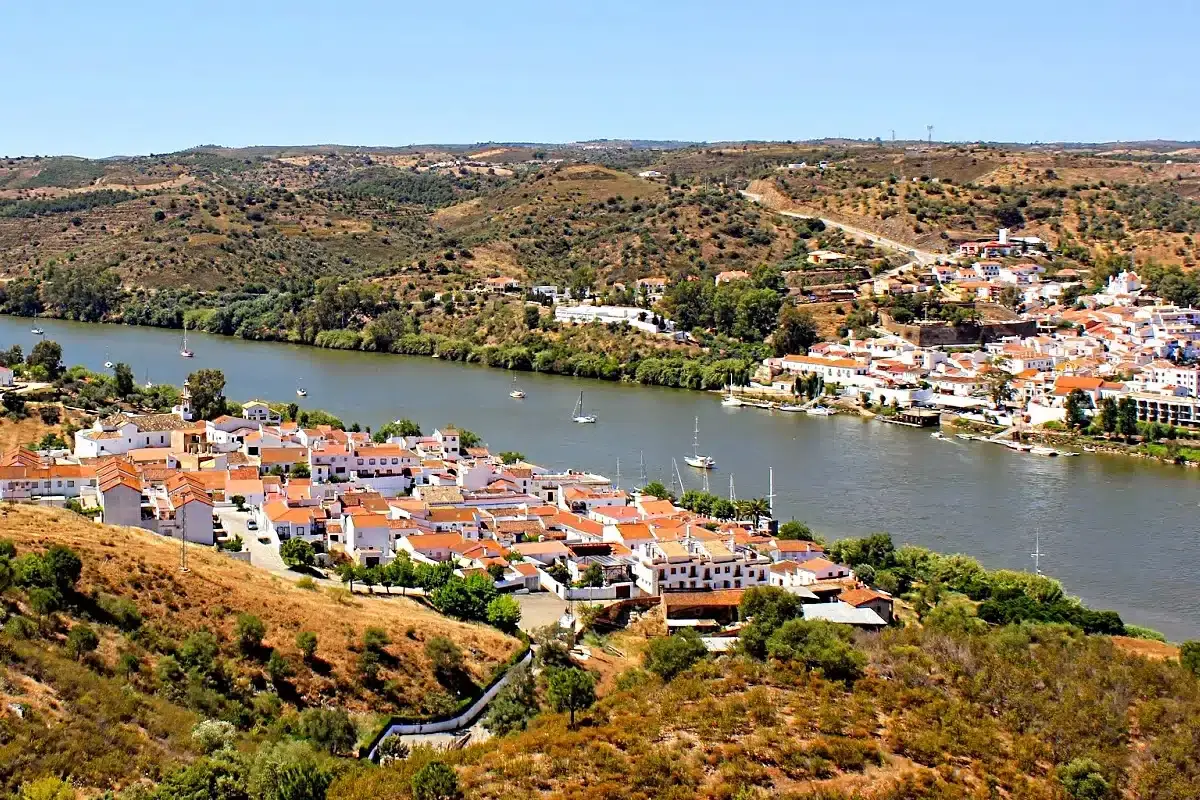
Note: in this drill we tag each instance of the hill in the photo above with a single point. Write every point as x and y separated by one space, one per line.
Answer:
168 654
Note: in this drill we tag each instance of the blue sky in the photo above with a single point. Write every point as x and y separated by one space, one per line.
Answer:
125 77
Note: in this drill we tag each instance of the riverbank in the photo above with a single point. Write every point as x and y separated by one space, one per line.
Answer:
842 475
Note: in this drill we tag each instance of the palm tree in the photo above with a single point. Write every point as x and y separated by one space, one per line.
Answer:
759 508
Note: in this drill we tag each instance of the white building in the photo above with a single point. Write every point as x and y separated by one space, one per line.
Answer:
638 318
121 433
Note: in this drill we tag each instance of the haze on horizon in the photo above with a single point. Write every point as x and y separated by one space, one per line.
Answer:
131 77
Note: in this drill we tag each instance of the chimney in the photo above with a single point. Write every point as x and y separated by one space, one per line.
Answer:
1003 237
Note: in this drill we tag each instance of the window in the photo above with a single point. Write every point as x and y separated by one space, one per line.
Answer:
372 462
70 484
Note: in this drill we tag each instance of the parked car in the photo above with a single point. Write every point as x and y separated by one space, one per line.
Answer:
251 525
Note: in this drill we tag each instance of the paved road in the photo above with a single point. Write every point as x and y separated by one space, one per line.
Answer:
919 256
262 555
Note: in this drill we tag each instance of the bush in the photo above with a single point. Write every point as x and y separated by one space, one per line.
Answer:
1189 656
121 611
375 639
278 668
794 530
444 655
329 729
435 781
249 631
669 656
211 735
1083 779
393 748
306 643
48 788
514 705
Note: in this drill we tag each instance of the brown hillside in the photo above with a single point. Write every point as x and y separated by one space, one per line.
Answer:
144 567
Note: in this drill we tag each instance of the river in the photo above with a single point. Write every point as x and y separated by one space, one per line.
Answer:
1120 533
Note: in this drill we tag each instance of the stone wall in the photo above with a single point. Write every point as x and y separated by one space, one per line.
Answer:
945 335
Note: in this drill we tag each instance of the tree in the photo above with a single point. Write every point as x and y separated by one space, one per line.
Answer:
1127 417
757 314
82 640
1083 778
392 748
444 655
47 355
592 576
797 331
1189 656
656 489
999 383
1076 409
1108 415
533 316
285 771
329 729
348 572
208 393
794 530
123 377
671 655
249 631
435 781
278 668
511 456
571 689
306 643
581 282
514 705
298 553
464 598
400 427
213 735
468 438
301 470
504 612
818 645
50 415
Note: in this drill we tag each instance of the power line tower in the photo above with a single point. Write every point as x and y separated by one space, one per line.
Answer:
929 133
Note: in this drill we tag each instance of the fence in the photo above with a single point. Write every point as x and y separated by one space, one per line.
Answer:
442 725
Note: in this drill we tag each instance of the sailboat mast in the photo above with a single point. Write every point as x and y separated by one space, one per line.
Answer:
732 493
770 492
618 473
696 439
642 467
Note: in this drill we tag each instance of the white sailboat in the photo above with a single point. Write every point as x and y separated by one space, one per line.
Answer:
301 392
578 416
695 459
516 392
729 401
183 349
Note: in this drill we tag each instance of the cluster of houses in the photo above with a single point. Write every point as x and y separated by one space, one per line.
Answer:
1116 343
428 498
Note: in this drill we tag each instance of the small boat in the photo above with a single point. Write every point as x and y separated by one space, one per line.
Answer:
1038 450
578 416
729 401
820 411
938 435
108 365
516 392
37 331
1020 448
767 406
695 459
147 377
789 407
302 392
183 349
966 437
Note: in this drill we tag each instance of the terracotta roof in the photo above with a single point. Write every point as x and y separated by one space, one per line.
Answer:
720 597
147 422
861 596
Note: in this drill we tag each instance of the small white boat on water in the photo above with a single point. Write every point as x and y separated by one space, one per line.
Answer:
516 392
302 392
938 435
37 331
820 411
183 349
578 416
695 459
729 401
790 407
1020 448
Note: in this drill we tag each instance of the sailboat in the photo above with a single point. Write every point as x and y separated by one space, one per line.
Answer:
147 377
729 401
36 331
578 415
695 459
301 392
517 393
183 349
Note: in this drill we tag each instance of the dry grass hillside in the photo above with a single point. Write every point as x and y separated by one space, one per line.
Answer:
143 567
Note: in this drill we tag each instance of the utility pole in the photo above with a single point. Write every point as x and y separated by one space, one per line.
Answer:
183 567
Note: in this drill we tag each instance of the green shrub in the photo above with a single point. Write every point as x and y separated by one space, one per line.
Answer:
671 655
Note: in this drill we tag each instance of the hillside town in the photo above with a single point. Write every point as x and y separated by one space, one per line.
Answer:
431 500
1119 344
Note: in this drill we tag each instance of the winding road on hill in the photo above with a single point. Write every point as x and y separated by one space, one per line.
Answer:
920 257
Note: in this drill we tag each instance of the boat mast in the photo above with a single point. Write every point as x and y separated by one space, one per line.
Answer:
642 467
770 492
678 477
732 493
696 439
1037 552
618 473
